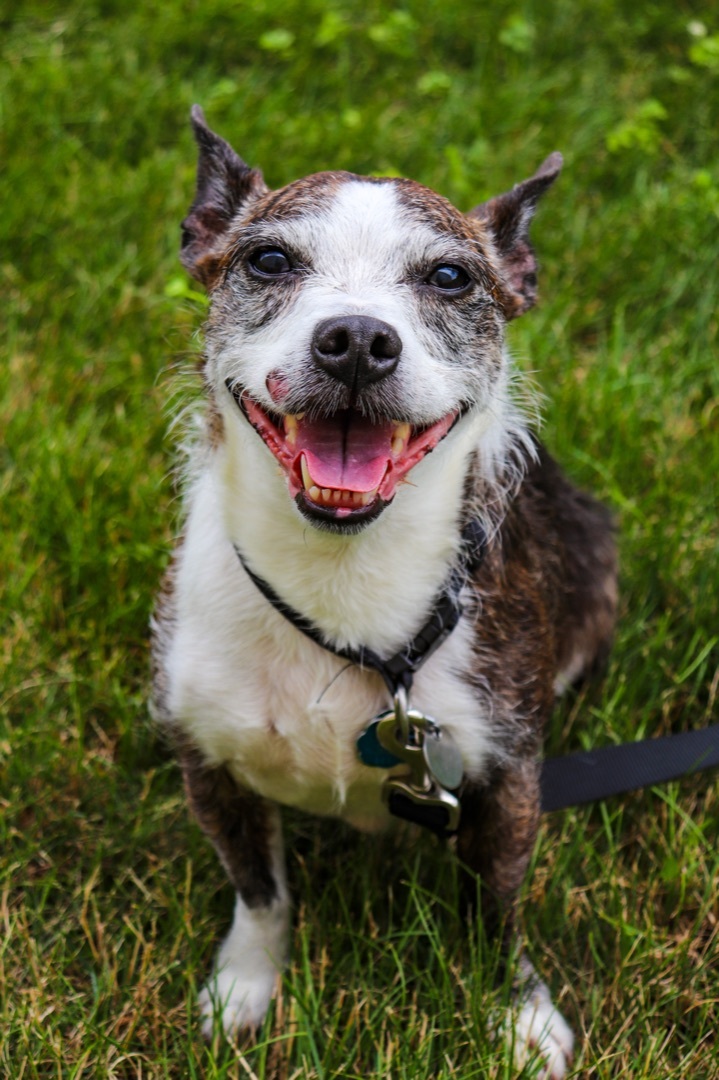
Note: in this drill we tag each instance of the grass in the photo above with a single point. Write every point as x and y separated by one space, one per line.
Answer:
110 900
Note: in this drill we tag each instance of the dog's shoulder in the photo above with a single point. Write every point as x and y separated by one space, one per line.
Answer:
553 523
548 589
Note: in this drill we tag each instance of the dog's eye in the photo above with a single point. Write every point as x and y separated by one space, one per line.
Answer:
270 262
449 278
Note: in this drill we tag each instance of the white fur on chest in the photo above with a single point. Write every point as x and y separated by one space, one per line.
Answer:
252 692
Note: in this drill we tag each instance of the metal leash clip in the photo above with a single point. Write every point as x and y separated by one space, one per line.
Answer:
435 764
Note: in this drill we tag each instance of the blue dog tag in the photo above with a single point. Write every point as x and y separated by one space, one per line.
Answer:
372 752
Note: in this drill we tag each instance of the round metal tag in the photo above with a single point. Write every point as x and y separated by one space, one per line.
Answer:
443 758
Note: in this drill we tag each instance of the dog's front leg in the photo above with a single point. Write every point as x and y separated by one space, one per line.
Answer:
247 833
496 838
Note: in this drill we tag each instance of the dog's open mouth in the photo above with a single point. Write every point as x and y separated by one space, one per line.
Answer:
344 468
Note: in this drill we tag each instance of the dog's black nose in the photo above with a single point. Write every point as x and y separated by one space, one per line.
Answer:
356 349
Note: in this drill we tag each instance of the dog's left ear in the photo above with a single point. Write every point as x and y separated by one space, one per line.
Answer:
224 184
508 217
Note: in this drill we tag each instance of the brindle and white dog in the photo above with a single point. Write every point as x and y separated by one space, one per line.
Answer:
359 413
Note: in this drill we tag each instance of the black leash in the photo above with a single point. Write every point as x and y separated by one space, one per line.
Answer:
592 775
571 780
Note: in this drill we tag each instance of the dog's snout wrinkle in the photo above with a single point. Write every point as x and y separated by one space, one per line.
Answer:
357 350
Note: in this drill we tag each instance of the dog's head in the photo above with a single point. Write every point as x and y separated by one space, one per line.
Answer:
354 320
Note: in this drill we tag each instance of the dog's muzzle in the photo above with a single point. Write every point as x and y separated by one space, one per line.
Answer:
343 467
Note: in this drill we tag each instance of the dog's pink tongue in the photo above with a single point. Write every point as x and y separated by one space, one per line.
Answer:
347 455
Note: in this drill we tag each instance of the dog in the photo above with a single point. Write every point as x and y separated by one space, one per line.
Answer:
367 488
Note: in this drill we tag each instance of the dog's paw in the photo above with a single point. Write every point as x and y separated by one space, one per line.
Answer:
540 1034
236 1000
247 968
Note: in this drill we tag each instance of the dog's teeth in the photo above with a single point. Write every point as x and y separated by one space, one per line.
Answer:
400 437
291 429
335 497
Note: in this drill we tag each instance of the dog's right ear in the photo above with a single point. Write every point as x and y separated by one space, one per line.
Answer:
224 184
508 217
